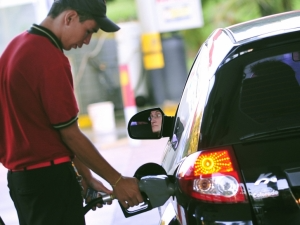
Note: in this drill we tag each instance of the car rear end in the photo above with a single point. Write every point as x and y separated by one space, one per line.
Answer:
237 156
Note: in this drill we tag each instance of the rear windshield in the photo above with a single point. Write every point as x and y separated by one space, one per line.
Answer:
270 90
256 93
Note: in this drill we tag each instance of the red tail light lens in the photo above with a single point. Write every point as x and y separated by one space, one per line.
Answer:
212 176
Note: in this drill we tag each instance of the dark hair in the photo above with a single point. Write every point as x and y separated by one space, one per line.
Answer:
57 8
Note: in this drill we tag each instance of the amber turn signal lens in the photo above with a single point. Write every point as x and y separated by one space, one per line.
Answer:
213 162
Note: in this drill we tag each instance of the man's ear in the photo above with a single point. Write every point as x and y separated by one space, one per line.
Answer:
70 16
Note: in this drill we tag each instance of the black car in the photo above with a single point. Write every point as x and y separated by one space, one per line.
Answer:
233 154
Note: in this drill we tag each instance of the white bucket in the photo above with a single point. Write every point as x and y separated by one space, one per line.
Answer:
102 117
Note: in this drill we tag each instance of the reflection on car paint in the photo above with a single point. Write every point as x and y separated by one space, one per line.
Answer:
265 193
266 179
267 187
168 215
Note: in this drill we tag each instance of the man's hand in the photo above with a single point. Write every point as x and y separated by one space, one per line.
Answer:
95 185
127 192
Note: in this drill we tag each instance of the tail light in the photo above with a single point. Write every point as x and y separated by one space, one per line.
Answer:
212 175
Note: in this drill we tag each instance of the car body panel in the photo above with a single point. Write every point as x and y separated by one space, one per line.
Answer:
190 115
266 26
169 215
227 103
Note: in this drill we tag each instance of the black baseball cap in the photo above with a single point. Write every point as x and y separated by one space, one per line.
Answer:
96 8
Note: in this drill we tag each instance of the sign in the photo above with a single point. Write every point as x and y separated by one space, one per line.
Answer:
174 15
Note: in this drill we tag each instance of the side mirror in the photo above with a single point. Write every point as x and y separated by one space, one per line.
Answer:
146 124
150 124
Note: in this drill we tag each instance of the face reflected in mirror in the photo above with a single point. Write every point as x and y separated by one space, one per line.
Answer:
156 121
146 124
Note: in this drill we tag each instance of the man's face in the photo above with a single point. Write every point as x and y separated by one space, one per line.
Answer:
77 33
156 121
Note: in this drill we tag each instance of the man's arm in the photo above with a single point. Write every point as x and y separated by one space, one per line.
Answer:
126 190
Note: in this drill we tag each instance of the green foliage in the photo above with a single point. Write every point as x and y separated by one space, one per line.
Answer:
121 10
220 13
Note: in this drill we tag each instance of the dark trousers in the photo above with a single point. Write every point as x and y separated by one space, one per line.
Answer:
49 195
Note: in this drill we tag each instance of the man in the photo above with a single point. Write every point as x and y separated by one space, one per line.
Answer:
40 137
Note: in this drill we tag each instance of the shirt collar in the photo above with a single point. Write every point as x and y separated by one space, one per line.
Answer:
39 30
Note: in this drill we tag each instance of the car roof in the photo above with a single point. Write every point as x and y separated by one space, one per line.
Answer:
266 26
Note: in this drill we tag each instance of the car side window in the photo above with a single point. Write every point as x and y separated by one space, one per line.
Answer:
187 104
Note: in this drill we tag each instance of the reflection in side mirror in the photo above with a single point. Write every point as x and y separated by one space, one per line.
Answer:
296 56
146 124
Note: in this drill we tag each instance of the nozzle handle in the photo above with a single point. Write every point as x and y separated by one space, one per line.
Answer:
143 207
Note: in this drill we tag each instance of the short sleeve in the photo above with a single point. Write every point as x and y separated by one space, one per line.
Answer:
57 95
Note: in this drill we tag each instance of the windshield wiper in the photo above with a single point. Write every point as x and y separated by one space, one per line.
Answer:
280 132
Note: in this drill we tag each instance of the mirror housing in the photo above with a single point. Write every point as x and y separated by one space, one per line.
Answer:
150 124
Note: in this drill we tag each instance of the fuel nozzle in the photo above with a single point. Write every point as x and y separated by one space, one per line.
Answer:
155 187
156 190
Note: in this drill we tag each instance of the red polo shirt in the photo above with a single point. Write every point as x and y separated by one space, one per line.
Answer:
36 99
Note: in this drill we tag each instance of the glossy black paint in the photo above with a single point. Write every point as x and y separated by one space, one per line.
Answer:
214 111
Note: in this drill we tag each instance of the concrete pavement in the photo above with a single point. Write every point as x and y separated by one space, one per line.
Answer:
126 156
